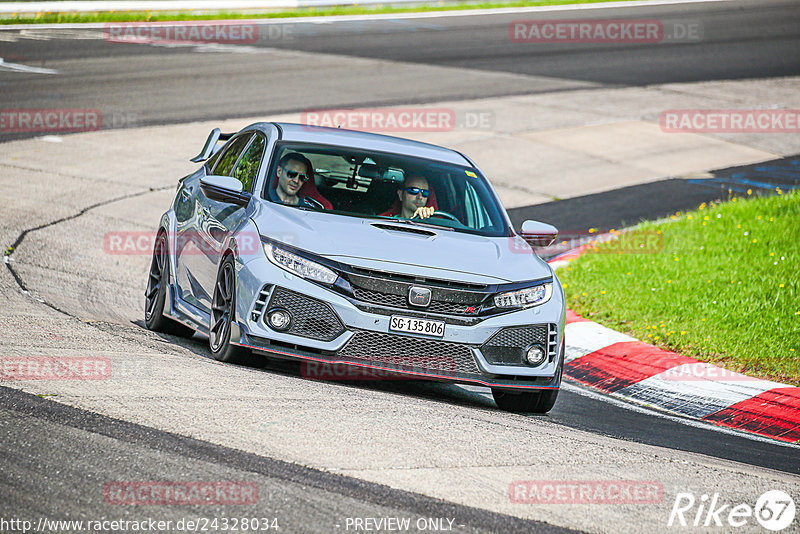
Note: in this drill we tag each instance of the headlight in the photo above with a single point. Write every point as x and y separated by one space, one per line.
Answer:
298 265
522 298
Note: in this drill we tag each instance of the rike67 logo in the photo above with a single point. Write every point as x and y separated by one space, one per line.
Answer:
774 510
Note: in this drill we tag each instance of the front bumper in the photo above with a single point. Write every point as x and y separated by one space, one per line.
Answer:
333 330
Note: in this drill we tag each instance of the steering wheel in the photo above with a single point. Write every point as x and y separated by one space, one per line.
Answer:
446 215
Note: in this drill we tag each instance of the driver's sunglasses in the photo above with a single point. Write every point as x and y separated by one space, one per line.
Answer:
303 177
417 191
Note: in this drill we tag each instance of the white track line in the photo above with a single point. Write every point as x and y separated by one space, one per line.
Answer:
19 67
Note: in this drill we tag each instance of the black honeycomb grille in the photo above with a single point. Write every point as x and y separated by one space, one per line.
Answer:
507 346
409 353
311 318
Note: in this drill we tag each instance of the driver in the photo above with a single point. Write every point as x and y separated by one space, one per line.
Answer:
294 170
413 199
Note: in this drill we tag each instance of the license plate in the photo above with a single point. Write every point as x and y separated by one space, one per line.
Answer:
416 326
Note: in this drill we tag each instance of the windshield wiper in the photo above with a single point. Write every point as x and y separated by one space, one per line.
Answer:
414 222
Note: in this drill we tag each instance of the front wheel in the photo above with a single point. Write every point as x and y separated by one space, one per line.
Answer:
525 402
223 308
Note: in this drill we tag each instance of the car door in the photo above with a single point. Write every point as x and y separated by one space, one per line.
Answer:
222 218
202 236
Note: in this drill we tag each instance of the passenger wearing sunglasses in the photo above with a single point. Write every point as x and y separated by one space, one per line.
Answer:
414 198
294 170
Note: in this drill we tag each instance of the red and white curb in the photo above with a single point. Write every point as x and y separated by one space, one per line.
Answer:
624 367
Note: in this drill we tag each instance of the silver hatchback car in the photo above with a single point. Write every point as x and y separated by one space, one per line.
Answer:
385 257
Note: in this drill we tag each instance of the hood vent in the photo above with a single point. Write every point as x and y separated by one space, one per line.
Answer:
407 229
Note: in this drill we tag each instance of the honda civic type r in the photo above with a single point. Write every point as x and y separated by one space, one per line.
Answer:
359 251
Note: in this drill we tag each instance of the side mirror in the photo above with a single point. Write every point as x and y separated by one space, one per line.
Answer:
224 189
538 234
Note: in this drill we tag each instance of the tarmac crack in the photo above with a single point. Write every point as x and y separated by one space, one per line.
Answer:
9 252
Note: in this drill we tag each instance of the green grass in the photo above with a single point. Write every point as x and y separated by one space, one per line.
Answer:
724 288
354 9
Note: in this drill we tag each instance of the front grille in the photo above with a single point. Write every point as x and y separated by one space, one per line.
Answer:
408 279
384 299
411 353
507 346
393 293
311 318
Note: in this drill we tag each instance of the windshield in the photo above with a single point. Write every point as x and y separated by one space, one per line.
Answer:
379 185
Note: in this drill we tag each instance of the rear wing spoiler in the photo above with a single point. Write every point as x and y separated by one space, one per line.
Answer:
211 147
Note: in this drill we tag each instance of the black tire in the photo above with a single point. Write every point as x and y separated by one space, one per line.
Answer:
156 293
525 402
541 401
223 309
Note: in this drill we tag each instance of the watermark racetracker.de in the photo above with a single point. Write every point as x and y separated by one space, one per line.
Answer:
703 371
218 32
189 242
586 492
614 242
180 493
730 120
410 369
64 120
55 368
400 119
616 31
42 120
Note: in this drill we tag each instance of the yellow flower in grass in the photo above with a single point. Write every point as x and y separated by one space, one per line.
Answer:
749 192
683 332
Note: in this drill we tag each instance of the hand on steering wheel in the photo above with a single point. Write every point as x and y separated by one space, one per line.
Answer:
423 212
445 215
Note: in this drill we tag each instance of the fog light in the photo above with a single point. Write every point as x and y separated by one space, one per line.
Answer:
535 355
279 319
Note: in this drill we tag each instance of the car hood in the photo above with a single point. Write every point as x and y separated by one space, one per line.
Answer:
401 247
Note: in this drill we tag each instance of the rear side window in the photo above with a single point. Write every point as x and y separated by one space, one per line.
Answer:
230 154
247 168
